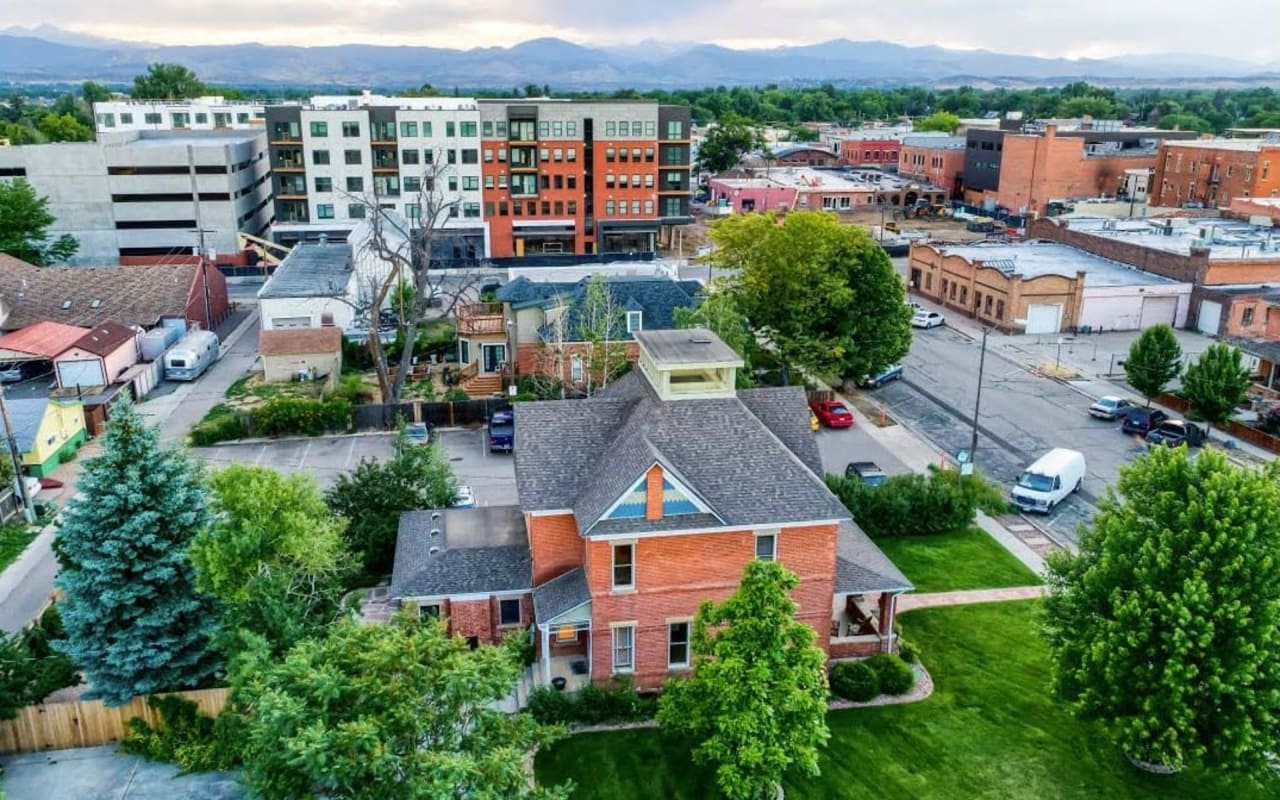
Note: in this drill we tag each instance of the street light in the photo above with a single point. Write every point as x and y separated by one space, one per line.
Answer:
977 399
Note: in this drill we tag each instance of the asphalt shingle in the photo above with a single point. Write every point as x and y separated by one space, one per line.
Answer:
560 594
461 551
861 567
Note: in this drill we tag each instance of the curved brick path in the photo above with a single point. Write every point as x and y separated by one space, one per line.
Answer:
910 602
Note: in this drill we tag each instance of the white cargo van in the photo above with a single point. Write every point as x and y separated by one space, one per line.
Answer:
1049 480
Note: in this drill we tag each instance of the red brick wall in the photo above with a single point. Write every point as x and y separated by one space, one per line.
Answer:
555 545
882 152
1187 269
539 359
855 649
1213 176
675 574
218 306
653 494
941 167
1037 169
471 618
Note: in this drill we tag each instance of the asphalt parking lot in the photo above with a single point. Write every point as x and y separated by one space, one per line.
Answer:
98 773
492 476
323 457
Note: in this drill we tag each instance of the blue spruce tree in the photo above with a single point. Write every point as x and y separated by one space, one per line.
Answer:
135 623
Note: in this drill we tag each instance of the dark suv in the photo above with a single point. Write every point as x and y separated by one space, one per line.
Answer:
1176 432
1141 421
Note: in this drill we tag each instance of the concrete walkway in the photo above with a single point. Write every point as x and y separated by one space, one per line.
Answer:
911 602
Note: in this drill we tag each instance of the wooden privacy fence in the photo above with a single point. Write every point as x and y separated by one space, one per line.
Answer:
55 726
385 416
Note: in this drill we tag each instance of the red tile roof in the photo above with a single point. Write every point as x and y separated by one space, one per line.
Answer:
45 339
299 341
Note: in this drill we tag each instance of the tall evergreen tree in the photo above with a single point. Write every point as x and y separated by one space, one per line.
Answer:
134 620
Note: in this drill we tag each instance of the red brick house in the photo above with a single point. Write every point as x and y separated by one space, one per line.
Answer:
638 504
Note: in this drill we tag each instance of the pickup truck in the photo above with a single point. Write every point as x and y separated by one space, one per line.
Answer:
502 431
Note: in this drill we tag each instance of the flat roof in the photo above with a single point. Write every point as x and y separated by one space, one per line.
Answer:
197 138
311 270
1244 145
1226 239
807 178
687 346
1034 259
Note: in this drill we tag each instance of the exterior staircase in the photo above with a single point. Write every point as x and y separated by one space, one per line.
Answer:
482 385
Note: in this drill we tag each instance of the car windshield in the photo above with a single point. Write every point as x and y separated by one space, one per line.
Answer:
875 480
1107 402
1036 483
837 410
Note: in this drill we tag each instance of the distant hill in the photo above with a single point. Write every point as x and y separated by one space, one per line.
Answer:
51 54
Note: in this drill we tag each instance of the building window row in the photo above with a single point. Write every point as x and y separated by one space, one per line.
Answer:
624 646
630 128
636 180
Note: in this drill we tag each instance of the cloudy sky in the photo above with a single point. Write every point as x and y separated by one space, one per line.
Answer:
1071 28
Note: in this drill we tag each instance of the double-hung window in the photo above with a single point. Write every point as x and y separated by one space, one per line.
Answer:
624 567
624 648
677 645
767 546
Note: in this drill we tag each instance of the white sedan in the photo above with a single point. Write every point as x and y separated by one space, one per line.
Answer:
927 319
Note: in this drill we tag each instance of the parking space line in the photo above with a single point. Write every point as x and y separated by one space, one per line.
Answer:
303 460
351 449
262 451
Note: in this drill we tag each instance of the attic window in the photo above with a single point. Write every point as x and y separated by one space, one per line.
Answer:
66 304
95 303
635 321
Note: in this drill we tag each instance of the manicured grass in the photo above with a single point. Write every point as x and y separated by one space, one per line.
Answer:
14 538
967 559
990 730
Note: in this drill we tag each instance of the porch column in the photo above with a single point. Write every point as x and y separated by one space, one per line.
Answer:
888 611
546 655
591 646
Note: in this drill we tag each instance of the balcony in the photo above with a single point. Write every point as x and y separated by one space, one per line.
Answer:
481 319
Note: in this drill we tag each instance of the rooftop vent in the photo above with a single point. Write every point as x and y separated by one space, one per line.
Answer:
433 551
435 515
96 303
66 304
435 532
700 338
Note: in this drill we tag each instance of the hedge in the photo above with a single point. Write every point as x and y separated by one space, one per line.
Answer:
281 416
591 705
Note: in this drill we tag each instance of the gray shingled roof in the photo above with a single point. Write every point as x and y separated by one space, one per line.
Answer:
311 270
480 550
655 298
560 594
785 411
718 448
862 568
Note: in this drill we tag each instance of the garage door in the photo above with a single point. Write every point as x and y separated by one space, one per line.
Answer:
1043 317
84 372
285 323
1209 318
1158 310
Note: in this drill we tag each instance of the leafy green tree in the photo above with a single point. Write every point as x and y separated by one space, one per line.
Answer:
19 134
720 314
824 294
396 710
1185 122
727 142
601 325
24 226
943 121
1166 626
1216 383
94 93
64 128
135 622
1155 359
755 705
373 496
273 555
167 82
30 669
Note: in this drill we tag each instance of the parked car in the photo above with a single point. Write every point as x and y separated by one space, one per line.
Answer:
832 413
1175 432
465 497
1110 408
1141 421
1049 480
502 431
417 433
10 373
927 319
866 471
890 373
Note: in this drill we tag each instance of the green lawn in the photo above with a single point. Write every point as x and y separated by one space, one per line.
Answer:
967 559
14 538
990 730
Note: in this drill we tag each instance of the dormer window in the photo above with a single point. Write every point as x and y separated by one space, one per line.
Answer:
635 321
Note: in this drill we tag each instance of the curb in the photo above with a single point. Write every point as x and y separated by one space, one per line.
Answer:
16 573
270 440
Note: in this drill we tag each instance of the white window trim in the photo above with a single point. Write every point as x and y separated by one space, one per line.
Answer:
688 645
613 648
618 588
755 552
576 371
438 606
638 316
519 612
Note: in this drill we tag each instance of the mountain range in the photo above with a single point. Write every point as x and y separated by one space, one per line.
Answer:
50 54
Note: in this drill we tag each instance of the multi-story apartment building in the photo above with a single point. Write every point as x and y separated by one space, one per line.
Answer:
1213 172
148 197
196 114
334 158
598 178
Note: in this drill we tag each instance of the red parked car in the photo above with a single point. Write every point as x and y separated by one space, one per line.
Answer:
832 413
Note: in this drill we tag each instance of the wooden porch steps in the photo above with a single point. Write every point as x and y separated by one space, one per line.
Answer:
483 385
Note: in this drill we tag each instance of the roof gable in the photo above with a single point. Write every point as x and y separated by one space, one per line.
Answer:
105 339
677 499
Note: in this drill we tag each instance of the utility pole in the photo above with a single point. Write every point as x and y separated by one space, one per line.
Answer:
977 399
16 457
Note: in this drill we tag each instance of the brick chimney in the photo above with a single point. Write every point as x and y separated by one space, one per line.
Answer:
653 494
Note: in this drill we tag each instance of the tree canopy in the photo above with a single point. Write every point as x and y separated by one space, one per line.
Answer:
24 226
167 82
755 705
1166 626
824 294
727 142
396 710
719 313
1155 359
135 622
943 121
1216 382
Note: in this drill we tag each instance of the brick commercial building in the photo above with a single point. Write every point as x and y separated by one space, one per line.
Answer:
938 160
878 151
804 156
805 189
637 505
1039 287
1214 172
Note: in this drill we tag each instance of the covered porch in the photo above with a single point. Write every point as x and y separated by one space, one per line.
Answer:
562 617
864 601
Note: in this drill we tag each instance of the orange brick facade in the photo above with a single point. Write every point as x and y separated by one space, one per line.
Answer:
555 545
1194 172
870 152
560 183
1035 170
936 165
482 617
541 359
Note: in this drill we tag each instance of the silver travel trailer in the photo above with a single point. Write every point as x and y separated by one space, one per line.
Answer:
190 357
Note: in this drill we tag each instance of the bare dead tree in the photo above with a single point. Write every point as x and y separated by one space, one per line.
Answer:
407 246
600 322
551 354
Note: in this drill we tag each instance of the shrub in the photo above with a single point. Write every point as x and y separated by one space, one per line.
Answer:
895 675
591 705
550 706
908 651
222 424
193 741
854 680
911 505
302 415
456 394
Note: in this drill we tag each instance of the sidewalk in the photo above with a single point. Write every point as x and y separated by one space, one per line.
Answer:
912 602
